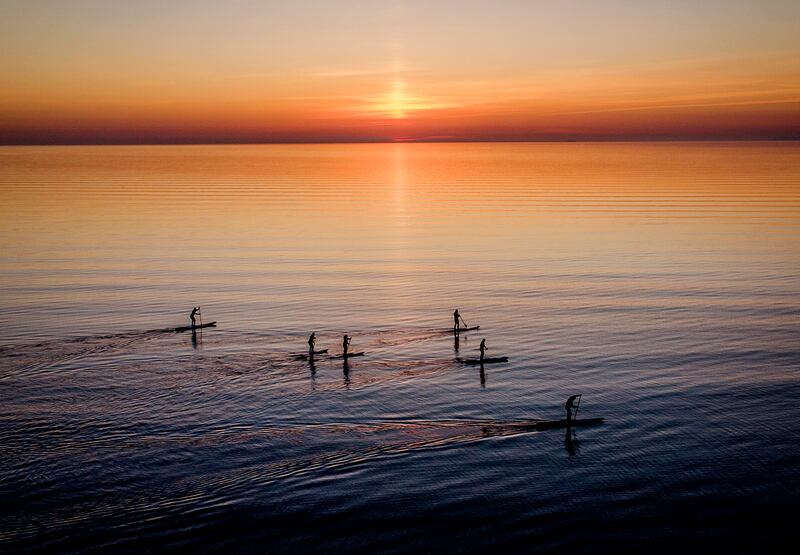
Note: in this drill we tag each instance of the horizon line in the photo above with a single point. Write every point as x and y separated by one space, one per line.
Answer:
791 138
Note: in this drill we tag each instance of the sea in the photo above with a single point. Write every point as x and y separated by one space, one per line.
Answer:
660 281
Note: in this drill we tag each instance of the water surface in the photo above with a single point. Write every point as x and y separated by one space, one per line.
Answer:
662 281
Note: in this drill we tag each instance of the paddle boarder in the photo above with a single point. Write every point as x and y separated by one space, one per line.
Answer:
345 345
457 320
568 406
483 349
312 341
195 310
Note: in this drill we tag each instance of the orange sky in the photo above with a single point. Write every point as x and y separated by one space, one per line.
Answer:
259 71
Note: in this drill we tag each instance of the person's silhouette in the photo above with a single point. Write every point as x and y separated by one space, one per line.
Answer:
568 406
192 314
483 349
456 318
345 345
312 341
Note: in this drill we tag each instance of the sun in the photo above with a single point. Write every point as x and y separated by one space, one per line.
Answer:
399 102
396 103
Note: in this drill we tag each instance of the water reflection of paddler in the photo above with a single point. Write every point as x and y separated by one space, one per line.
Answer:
571 442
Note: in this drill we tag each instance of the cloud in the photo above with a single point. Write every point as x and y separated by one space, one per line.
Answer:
364 72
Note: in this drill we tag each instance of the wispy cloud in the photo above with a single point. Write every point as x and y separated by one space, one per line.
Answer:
365 72
673 106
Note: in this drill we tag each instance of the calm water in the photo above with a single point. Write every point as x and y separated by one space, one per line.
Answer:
662 281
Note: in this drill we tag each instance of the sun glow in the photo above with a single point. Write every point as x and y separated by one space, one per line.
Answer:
398 104
391 70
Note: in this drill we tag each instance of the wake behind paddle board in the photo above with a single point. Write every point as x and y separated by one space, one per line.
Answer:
349 355
305 355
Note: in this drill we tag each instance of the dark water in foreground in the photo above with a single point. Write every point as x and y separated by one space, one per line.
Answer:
661 281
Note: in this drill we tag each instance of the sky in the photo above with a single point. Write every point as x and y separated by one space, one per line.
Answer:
247 71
